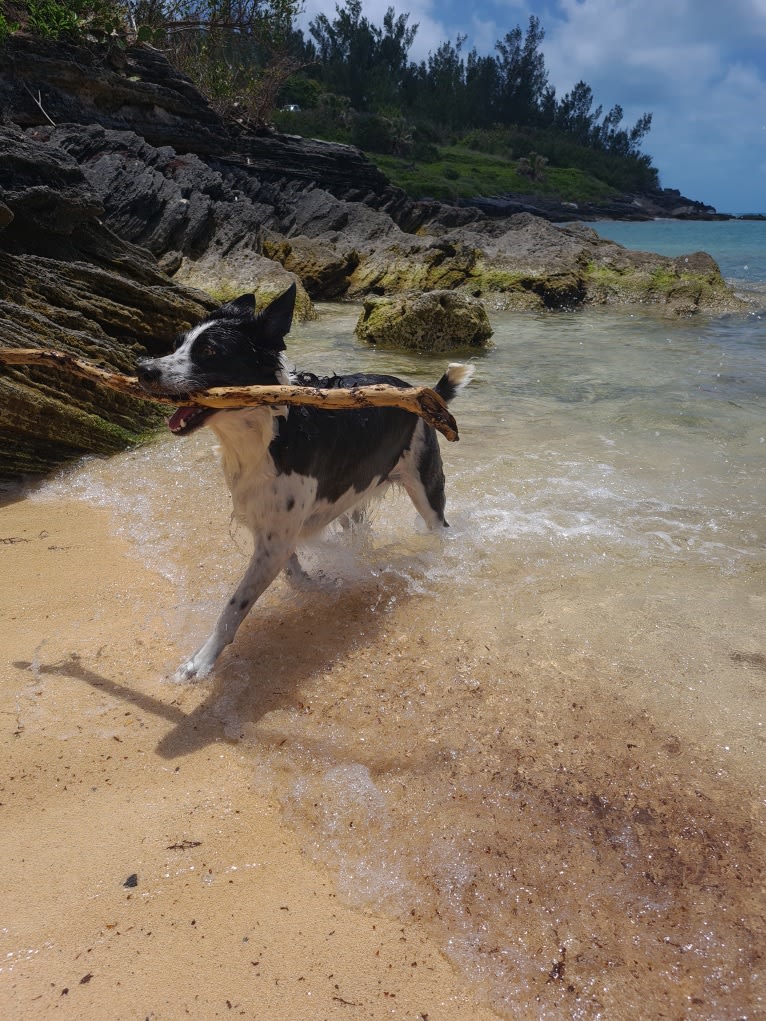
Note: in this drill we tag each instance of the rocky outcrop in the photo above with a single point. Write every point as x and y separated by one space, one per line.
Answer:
665 203
434 321
220 225
133 89
67 281
229 211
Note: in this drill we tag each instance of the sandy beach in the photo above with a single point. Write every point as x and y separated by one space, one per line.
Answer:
145 874
517 767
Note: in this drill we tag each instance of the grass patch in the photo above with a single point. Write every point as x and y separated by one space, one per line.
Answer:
462 173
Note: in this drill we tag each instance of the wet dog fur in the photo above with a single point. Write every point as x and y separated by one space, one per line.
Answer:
291 470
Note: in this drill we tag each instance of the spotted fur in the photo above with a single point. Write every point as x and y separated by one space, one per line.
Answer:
292 471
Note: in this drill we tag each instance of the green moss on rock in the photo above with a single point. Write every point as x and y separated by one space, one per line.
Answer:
683 285
435 321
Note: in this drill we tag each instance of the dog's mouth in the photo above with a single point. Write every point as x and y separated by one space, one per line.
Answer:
185 420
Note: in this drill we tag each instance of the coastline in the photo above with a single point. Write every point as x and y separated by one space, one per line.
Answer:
227 916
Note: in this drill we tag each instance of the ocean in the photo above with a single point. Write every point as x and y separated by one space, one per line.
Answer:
541 736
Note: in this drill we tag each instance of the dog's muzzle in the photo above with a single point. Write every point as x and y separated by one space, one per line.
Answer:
186 419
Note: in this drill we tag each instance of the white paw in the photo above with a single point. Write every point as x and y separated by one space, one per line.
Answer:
194 669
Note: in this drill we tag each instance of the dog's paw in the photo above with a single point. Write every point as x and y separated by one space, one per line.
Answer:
184 673
193 669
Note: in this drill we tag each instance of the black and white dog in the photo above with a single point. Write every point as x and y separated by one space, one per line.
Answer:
291 470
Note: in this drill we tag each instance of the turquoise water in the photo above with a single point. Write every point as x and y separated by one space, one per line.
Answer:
541 735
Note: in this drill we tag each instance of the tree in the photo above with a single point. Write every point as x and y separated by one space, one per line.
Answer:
439 93
236 51
361 60
523 79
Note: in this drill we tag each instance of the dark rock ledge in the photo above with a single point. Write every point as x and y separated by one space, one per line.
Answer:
67 281
116 217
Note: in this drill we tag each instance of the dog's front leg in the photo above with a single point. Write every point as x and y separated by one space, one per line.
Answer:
263 568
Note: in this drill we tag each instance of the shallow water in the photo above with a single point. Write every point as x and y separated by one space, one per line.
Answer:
541 735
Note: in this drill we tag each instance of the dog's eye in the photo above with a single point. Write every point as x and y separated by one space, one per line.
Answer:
207 350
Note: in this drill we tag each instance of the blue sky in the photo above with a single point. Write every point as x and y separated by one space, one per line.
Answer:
698 66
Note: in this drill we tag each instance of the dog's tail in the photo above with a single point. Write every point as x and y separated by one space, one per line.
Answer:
457 376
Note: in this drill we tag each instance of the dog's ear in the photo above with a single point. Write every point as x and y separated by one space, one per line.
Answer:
275 321
244 305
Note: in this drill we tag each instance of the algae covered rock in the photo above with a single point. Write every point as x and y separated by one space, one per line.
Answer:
67 282
324 269
408 263
434 321
682 285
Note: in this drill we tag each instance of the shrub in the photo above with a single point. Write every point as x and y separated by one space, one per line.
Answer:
55 18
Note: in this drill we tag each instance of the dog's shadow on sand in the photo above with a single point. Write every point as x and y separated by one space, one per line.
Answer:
278 650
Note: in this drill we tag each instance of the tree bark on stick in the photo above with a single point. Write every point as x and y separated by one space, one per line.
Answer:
418 400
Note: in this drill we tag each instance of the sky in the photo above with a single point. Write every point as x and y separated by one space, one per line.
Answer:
698 66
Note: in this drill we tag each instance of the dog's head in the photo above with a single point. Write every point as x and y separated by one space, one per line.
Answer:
233 346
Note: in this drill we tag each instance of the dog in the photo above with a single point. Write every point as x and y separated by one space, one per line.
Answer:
291 470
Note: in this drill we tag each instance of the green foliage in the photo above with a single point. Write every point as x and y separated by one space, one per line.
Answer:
360 60
624 173
7 28
302 91
331 119
53 19
462 173
500 104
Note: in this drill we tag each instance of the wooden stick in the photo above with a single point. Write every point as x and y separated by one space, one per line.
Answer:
418 400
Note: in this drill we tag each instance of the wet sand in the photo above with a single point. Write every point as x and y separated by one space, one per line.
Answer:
145 874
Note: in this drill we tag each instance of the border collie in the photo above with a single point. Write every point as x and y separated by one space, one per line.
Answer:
291 470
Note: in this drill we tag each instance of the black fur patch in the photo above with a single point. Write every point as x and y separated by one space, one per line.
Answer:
342 449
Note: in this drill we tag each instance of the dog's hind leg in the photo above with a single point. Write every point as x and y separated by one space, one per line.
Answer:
263 568
429 503
420 472
295 573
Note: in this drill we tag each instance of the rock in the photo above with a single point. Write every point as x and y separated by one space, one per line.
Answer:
323 270
128 89
6 216
537 264
434 322
226 276
413 263
666 203
681 286
205 232
66 281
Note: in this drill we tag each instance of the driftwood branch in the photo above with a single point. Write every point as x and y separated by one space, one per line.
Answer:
418 400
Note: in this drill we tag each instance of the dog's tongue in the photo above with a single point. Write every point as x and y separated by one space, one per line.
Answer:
180 417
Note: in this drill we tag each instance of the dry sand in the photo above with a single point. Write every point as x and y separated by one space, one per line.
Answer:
110 772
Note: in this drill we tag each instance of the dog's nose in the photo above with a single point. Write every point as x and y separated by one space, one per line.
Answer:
147 371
